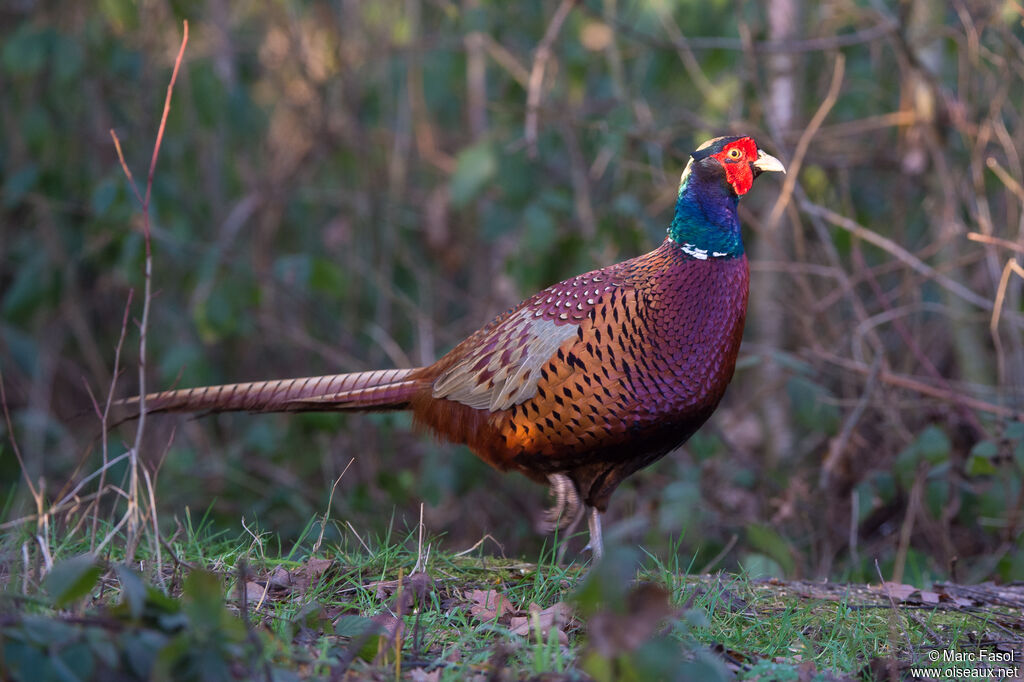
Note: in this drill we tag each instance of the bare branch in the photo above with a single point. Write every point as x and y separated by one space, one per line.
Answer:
805 141
894 249
540 62
132 513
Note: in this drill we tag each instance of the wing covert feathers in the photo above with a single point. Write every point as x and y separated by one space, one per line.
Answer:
504 369
501 365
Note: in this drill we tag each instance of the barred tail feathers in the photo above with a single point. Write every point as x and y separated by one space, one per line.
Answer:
374 390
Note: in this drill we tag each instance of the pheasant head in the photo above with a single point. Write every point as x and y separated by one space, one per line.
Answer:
719 172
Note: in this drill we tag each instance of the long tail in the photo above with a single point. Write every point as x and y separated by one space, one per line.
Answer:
384 389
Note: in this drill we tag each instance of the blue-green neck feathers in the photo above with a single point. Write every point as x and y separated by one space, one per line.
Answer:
705 217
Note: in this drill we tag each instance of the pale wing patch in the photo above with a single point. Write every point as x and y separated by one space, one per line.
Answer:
505 367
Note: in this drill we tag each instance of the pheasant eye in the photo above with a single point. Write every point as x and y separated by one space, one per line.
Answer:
735 153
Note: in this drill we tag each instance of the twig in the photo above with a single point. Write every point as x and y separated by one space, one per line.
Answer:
894 249
151 491
480 542
1008 180
421 557
707 89
838 444
505 59
327 512
540 61
721 555
895 609
59 507
921 387
45 550
132 513
26 571
854 522
105 417
113 532
1012 266
14 444
995 241
805 140
907 527
476 79
353 529
824 44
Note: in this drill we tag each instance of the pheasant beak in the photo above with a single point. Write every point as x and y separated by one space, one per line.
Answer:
767 162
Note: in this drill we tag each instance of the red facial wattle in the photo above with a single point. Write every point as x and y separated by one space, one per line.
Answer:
738 171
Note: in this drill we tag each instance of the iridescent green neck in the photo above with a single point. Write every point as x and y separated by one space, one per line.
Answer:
706 223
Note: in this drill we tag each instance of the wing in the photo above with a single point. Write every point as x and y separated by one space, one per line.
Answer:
500 365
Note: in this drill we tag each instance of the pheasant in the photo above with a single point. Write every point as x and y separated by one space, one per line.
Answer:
585 382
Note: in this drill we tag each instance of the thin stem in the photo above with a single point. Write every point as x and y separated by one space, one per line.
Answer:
132 513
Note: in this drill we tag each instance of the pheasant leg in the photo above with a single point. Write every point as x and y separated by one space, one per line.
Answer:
596 545
566 535
567 508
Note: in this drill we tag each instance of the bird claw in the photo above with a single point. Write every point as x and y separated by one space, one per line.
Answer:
567 508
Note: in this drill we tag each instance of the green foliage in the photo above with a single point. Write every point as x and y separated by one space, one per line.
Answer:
71 579
476 166
147 635
767 540
930 449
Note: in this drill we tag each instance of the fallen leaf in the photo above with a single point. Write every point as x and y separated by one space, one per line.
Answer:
253 592
420 583
391 626
415 589
544 620
907 593
421 675
897 591
299 579
316 567
488 605
280 578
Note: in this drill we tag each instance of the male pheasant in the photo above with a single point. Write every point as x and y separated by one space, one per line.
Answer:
585 382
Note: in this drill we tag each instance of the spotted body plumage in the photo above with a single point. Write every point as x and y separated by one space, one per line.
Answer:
588 380
648 347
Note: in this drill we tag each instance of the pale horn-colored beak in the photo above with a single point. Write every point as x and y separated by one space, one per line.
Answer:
767 162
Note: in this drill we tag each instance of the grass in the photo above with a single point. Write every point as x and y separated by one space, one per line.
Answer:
251 606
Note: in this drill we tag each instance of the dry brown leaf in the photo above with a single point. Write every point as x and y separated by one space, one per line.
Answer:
488 605
421 675
417 585
316 567
945 596
280 578
415 589
384 588
897 591
554 616
299 579
908 593
253 592
391 626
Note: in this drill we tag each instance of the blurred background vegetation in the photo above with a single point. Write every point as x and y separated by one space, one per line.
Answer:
347 185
